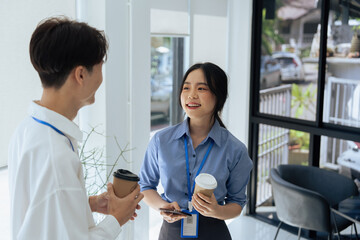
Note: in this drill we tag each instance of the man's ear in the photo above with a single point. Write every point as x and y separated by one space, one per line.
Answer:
79 72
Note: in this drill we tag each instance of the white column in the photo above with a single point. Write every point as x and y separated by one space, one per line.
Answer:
128 91
236 112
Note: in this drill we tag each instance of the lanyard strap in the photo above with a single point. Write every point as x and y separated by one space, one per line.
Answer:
56 130
191 189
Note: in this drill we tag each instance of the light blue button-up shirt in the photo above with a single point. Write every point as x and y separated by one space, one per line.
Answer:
164 160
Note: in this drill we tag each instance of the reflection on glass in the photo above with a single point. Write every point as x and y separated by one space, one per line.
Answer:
342 89
161 81
341 155
289 58
277 146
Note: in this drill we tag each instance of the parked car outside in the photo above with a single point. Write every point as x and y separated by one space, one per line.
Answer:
270 75
292 68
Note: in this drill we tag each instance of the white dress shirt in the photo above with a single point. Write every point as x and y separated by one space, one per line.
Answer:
47 191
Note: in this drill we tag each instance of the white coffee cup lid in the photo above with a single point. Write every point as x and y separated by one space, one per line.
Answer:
206 181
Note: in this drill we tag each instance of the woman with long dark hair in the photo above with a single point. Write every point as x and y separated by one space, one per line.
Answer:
200 144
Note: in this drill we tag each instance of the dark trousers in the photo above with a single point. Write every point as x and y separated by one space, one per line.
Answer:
209 229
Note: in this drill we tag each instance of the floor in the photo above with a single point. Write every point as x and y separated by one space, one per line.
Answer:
242 227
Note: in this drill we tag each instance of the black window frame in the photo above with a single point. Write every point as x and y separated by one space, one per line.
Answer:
316 128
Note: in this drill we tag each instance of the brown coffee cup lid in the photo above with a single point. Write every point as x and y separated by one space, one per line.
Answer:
126 175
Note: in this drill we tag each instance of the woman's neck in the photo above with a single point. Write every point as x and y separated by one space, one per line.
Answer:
199 130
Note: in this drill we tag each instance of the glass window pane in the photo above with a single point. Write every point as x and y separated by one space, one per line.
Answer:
161 81
340 155
167 70
277 146
342 89
289 58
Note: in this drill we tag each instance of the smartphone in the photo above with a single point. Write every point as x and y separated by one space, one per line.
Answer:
173 211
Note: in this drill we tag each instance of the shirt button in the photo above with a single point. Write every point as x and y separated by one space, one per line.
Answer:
186 194
194 155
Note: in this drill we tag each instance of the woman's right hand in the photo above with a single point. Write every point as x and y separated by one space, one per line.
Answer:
171 217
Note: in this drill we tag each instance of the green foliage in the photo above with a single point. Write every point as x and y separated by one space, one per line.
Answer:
356 28
269 34
303 99
300 138
305 52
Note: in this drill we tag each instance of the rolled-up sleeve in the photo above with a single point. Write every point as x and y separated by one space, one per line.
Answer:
238 179
149 172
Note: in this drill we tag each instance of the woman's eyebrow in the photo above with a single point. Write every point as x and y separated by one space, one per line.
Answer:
201 83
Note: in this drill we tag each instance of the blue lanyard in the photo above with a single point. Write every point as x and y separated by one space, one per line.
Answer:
191 189
56 130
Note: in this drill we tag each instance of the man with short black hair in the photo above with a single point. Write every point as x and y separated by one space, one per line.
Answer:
47 191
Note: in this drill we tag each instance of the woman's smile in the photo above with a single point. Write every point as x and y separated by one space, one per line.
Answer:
193 105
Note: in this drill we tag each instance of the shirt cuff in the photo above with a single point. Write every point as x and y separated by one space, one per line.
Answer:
111 225
143 188
241 203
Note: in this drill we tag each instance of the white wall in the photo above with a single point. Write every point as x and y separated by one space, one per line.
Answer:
208 19
236 112
19 83
169 17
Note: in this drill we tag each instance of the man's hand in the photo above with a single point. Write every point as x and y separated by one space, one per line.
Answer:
123 209
99 203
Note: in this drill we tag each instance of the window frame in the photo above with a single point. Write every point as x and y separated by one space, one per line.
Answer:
316 128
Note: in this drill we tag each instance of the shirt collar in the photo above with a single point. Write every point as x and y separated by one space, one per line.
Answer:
214 134
182 129
62 123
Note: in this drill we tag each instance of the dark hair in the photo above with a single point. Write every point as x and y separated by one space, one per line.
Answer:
218 83
58 45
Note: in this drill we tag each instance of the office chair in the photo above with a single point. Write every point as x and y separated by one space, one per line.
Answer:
304 196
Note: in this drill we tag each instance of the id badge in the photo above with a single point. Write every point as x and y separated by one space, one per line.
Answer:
190 225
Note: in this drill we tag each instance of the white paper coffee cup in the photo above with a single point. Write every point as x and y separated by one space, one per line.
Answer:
205 183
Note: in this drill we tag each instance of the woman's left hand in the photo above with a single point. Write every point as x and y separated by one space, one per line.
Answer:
206 206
